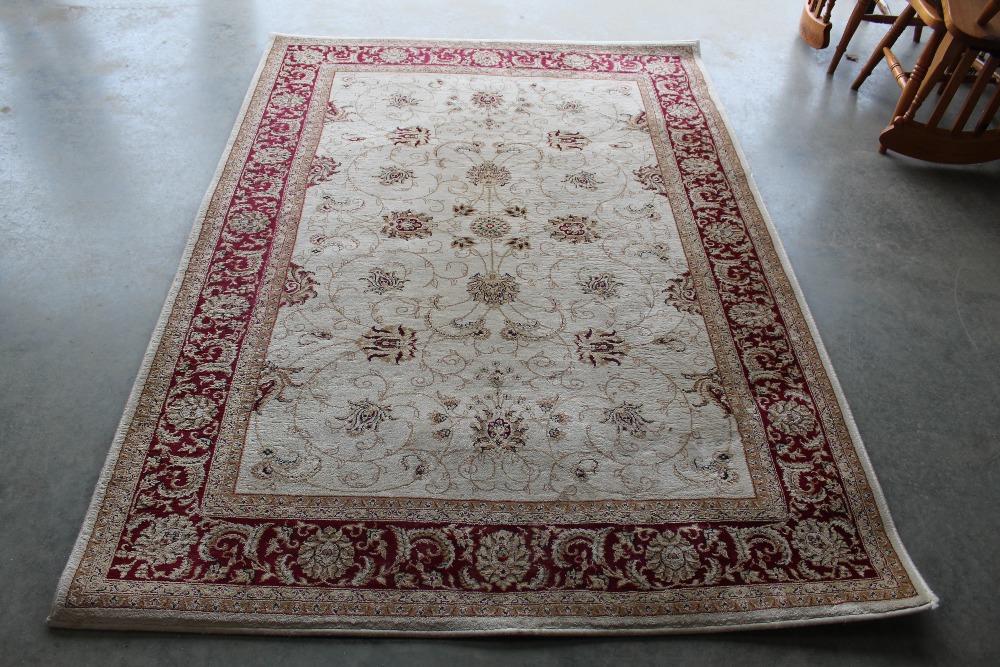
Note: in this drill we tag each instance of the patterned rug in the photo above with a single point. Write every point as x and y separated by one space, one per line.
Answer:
475 338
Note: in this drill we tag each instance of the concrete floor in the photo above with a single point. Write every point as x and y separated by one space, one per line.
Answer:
114 114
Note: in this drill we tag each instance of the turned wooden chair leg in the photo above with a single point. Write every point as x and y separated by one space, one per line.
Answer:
991 9
901 23
857 16
930 69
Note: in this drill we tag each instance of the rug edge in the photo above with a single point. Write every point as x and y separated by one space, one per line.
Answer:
225 623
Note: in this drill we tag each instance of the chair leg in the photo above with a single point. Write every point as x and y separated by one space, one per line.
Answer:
858 15
902 22
905 105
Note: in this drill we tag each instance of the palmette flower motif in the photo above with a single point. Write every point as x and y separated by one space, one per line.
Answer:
638 122
326 555
164 541
271 155
627 418
287 100
682 111
791 418
585 180
299 287
489 174
308 56
651 179
697 165
661 67
502 558
395 176
365 416
820 544
335 114
672 558
190 412
681 294
322 169
492 288
381 281
603 285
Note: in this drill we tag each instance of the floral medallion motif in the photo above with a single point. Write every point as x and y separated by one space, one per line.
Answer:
672 558
407 225
490 227
498 432
502 559
326 555
574 229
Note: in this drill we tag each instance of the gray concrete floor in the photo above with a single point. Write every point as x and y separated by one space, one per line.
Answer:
114 114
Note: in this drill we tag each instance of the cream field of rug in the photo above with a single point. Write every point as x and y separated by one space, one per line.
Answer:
484 338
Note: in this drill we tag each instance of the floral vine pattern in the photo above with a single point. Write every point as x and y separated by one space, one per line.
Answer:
485 300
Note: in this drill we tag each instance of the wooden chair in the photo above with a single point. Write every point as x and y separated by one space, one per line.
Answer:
868 11
929 13
963 51
814 25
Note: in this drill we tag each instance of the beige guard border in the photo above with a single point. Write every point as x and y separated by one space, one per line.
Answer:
211 622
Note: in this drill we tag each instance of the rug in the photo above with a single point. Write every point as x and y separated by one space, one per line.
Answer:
484 338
